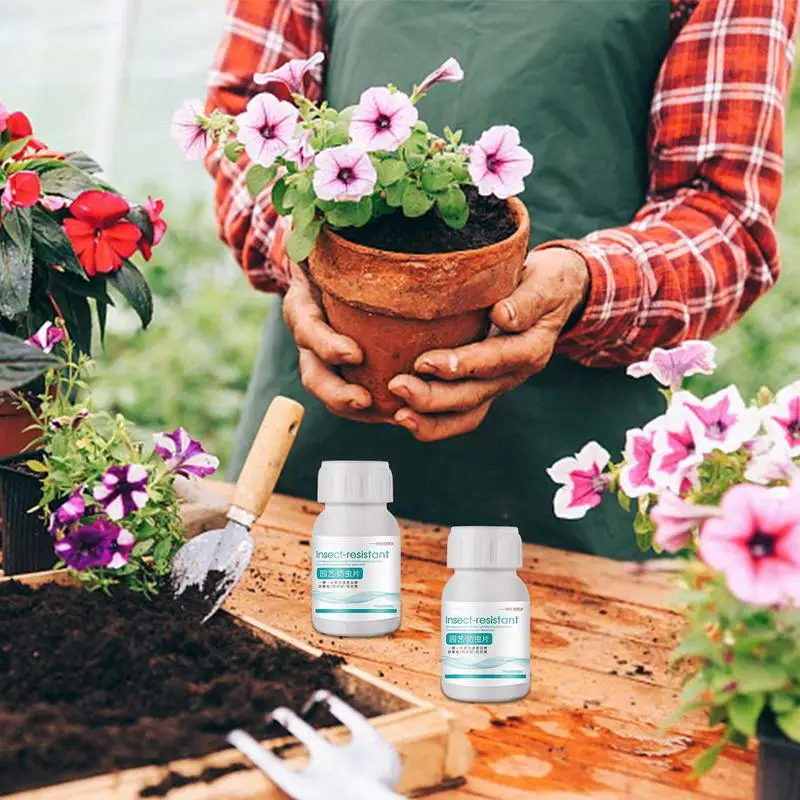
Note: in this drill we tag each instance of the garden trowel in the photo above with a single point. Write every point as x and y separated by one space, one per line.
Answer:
205 569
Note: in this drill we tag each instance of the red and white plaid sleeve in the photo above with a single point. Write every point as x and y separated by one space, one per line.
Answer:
260 35
703 248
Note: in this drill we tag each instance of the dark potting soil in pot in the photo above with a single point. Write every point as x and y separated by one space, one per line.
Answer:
490 221
91 684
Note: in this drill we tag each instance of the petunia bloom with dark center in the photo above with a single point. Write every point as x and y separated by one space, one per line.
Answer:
123 490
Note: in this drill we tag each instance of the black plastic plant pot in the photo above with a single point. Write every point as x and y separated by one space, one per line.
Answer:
778 772
27 546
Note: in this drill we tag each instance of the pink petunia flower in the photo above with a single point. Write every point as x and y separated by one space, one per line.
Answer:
726 420
193 139
47 337
266 128
756 543
676 519
634 477
382 120
300 151
678 447
70 511
782 418
584 481
4 114
498 163
52 202
184 455
770 461
449 72
344 173
123 490
670 367
291 74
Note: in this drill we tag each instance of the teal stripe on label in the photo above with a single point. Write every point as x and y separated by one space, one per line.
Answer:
355 610
487 677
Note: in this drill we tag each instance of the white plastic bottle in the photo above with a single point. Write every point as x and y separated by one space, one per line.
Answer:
486 612
355 551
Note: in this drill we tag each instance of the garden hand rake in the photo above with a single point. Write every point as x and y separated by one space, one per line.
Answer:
366 768
213 562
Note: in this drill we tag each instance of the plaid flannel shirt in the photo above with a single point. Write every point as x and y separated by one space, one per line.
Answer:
695 257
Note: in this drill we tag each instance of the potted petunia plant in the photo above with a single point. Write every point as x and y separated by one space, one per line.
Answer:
716 482
66 237
410 234
104 505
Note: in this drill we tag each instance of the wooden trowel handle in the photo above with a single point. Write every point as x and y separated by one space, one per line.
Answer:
267 455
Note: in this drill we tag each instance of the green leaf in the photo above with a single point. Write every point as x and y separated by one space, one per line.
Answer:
233 150
624 501
279 189
17 224
20 363
452 205
380 207
707 759
83 162
301 241
143 547
337 134
390 171
343 215
717 714
130 283
302 216
696 645
693 688
757 676
789 723
141 219
395 192
435 179
51 245
162 552
744 711
12 148
78 318
258 178
68 181
416 202
102 317
415 160
16 275
643 528
36 466
782 702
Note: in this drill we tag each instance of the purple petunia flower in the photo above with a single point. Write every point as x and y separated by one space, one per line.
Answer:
344 173
47 337
184 455
382 120
498 163
121 544
300 150
193 139
59 423
123 490
291 73
449 72
68 512
88 546
266 128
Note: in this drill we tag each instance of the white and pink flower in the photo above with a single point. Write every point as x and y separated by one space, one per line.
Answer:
300 151
292 73
727 422
634 477
755 543
123 490
266 128
670 367
584 481
498 162
676 520
4 115
449 72
189 130
344 173
69 512
47 337
52 202
782 418
382 120
184 455
770 461
121 544
678 447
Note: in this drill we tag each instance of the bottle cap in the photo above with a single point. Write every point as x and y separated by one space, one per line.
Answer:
354 482
478 547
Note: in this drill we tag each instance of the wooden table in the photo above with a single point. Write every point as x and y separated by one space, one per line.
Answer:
602 684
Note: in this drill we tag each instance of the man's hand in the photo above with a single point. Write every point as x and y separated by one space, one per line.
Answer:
322 348
555 283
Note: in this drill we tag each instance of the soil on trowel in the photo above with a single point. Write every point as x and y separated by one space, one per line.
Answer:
91 683
489 221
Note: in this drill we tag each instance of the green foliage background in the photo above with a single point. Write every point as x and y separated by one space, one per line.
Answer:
191 367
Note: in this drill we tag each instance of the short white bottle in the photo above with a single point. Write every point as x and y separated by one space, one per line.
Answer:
486 612
355 551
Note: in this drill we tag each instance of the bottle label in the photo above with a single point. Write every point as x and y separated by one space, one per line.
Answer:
486 644
356 578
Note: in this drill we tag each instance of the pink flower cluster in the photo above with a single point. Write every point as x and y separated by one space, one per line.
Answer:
753 536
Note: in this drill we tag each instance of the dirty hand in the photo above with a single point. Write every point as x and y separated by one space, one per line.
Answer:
466 380
321 348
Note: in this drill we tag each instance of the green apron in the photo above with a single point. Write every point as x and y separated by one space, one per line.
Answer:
576 78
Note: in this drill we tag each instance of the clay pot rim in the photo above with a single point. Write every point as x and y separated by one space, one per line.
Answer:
516 206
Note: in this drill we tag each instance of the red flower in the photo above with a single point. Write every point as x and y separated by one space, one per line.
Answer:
19 126
22 190
98 233
154 209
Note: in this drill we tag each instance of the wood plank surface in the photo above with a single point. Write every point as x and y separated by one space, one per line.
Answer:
602 683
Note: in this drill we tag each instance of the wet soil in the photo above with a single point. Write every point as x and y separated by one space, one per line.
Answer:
490 221
91 684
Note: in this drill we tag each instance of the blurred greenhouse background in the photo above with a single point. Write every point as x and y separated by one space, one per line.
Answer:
105 77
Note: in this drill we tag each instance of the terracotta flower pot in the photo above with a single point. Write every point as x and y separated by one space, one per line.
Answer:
14 438
399 305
